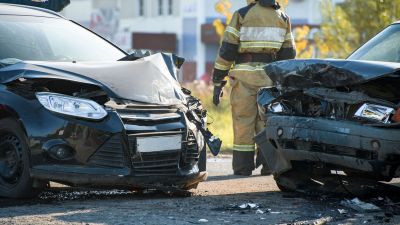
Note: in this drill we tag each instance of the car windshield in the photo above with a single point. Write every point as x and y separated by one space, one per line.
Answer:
383 47
51 39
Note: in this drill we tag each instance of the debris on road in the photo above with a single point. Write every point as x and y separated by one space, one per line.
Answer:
248 206
244 206
259 211
272 212
320 221
360 206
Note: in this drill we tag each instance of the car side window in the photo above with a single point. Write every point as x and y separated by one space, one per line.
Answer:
387 50
384 47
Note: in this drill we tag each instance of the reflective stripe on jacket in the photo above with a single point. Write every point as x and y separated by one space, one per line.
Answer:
254 29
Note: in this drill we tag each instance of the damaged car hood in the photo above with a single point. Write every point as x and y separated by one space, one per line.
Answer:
151 79
300 74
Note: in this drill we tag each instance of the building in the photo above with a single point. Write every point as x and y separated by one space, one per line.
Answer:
180 26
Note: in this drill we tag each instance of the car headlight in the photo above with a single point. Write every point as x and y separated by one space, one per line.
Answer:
71 106
375 113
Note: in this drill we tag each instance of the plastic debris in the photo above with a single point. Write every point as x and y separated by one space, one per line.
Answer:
203 221
259 211
360 206
342 211
248 206
322 221
273 212
245 206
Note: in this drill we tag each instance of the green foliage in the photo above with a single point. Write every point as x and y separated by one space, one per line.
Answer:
352 23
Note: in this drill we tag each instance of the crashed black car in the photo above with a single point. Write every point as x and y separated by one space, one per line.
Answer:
77 110
334 116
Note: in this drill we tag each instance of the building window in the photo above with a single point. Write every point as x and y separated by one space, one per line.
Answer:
170 7
160 7
141 7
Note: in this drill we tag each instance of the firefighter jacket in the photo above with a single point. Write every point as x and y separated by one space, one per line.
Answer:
259 33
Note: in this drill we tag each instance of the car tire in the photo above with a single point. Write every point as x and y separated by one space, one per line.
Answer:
287 182
203 159
15 179
305 179
296 179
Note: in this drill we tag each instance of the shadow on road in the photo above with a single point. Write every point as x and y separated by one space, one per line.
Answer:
229 177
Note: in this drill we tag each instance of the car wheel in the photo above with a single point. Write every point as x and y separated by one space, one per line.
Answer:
288 181
307 179
15 180
298 179
203 159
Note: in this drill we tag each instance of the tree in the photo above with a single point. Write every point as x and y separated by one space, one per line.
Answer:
350 24
223 7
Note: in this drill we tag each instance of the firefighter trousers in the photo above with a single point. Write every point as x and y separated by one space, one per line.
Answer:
246 119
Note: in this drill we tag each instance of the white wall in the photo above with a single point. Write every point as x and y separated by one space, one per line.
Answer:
305 10
78 10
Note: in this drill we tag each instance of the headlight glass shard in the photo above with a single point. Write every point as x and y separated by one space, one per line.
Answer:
375 113
72 106
277 107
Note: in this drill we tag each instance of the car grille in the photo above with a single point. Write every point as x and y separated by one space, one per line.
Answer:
157 163
191 150
329 149
143 120
148 115
154 163
111 154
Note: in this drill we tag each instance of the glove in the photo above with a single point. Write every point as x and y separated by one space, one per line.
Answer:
218 93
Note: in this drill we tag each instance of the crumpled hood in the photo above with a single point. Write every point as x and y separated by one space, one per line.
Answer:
148 80
300 74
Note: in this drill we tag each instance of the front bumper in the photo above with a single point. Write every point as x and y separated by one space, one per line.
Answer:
106 152
114 178
341 144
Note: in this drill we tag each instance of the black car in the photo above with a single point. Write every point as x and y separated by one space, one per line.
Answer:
77 110
339 117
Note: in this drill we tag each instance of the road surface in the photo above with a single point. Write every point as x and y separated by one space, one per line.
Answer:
217 201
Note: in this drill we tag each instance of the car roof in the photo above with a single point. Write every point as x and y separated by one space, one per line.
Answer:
23 10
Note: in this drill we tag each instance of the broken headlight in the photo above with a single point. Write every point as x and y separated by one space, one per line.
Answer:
71 106
277 107
375 113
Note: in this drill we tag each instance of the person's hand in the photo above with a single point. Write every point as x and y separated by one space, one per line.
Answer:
218 93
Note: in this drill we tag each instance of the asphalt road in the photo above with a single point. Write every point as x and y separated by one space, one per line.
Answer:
216 201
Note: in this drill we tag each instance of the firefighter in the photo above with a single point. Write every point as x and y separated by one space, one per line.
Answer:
258 34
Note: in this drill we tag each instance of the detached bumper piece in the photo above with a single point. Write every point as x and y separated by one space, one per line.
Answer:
340 143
